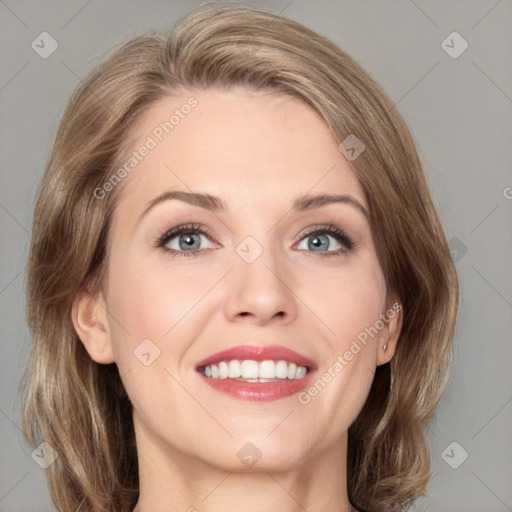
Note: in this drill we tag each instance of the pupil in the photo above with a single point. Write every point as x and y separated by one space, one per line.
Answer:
319 241
187 241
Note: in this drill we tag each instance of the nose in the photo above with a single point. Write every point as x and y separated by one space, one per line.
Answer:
260 292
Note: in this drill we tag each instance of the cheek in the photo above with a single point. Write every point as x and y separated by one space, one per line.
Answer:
152 324
347 300
350 304
155 301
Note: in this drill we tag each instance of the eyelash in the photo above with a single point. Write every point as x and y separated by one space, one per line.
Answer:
338 234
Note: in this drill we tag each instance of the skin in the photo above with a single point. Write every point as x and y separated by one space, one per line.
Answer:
258 152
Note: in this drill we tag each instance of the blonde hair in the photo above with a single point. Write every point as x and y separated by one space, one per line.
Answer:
80 407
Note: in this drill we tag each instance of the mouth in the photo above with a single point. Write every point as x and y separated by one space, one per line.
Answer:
252 372
249 370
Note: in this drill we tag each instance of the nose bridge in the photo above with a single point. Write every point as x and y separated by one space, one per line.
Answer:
258 285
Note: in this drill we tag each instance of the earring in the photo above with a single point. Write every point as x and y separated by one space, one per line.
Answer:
385 347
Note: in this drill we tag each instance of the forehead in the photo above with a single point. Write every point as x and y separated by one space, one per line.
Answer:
252 148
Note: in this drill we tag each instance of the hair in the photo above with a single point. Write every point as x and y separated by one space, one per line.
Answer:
80 407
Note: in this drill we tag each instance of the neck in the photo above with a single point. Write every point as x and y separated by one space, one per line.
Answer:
173 480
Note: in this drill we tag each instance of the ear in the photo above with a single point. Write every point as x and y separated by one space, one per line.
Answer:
390 333
90 319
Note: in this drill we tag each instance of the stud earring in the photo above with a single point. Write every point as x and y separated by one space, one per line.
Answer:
385 347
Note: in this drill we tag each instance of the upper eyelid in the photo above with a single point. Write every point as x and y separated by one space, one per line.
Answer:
173 232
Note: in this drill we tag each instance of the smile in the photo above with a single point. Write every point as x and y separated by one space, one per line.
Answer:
257 373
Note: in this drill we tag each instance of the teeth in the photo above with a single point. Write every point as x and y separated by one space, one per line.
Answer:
282 369
255 371
301 372
235 369
250 369
223 370
267 370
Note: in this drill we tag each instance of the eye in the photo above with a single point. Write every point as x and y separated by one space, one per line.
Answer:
185 240
191 239
326 239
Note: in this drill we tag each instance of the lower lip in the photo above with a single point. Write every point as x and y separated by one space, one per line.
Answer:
259 391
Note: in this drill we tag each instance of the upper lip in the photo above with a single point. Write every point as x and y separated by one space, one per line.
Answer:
258 353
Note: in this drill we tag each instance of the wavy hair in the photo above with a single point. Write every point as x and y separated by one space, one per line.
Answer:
80 407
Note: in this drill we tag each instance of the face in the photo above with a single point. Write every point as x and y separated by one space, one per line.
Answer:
259 265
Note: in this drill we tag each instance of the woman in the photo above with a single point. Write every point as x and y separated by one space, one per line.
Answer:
240 291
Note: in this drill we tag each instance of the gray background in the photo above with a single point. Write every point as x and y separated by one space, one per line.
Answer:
459 110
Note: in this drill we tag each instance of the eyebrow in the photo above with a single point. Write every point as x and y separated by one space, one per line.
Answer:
216 204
